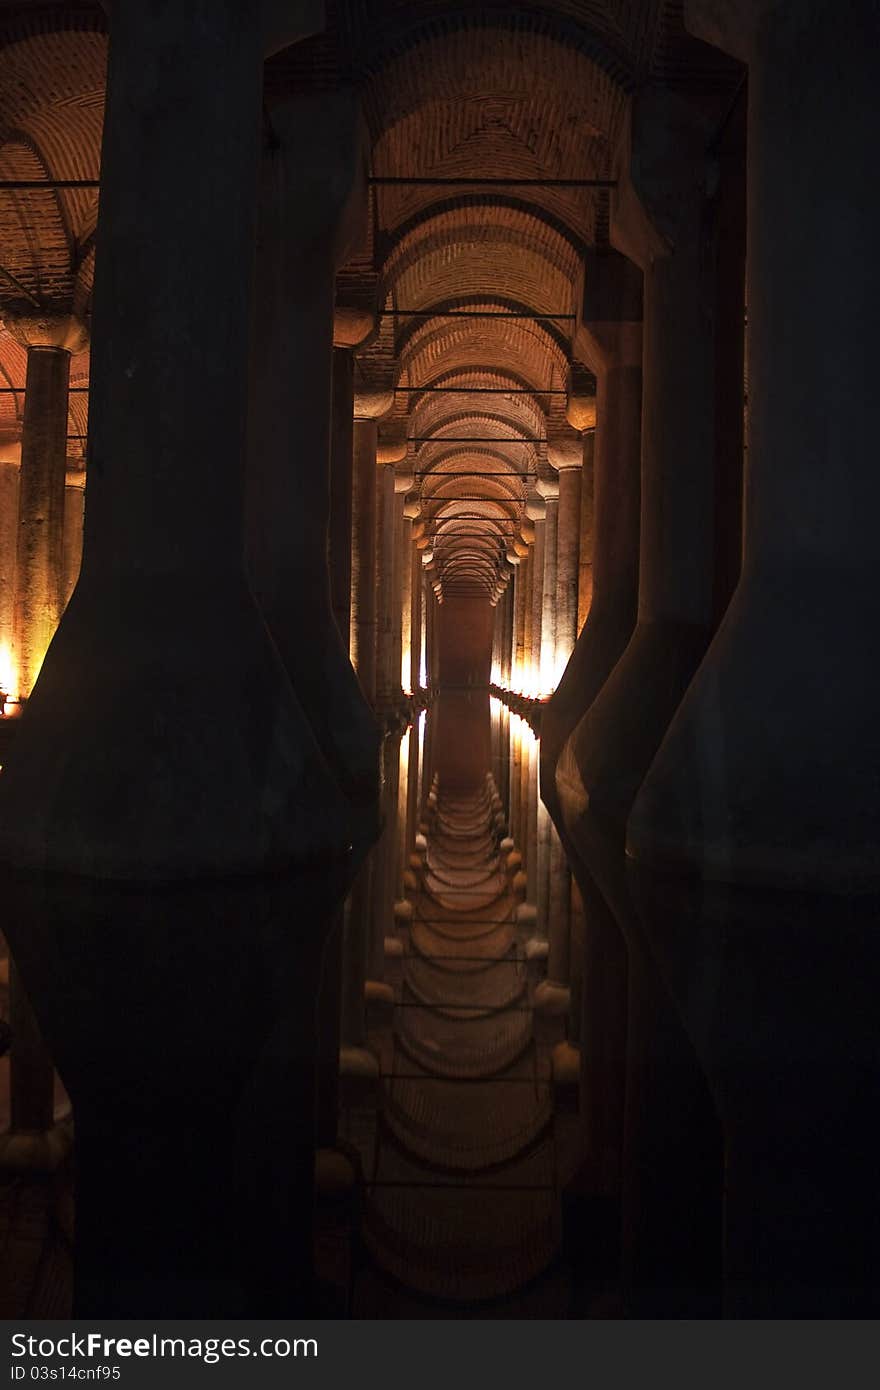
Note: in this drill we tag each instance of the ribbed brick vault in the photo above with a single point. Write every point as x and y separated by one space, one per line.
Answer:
450 91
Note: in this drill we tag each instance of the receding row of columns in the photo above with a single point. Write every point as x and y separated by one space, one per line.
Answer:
708 751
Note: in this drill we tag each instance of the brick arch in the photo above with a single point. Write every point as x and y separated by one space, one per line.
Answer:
491 251
530 348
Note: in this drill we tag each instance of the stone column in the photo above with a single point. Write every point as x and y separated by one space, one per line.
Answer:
659 221
767 778
10 462
341 451
585 558
548 488
74 498
536 510
408 511
307 225
568 461
369 407
520 608
39 583
610 338
765 738
386 595
417 615
163 743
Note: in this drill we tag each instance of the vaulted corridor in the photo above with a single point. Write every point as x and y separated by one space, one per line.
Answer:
439 761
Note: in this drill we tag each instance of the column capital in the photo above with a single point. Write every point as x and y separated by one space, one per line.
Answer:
609 329
356 309
283 23
727 24
52 329
353 325
412 509
565 454
536 508
393 444
372 403
404 481
316 132
662 174
580 405
548 488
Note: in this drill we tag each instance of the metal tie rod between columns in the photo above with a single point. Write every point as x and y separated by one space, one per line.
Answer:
45 185
480 390
408 181
472 439
475 314
471 473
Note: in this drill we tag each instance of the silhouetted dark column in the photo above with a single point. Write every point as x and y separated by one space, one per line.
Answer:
660 220
610 337
764 791
163 743
341 450
301 240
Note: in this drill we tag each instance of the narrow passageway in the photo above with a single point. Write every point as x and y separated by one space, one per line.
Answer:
462 1172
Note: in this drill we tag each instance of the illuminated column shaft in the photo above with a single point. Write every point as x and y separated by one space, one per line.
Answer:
526 668
74 498
9 467
569 463
585 549
417 612
549 490
385 592
522 835
519 624
39 553
405 551
537 600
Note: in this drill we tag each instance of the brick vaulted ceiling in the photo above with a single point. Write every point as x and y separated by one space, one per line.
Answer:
450 91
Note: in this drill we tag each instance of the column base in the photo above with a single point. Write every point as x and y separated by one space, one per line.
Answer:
336 1174
566 1063
552 1000
358 1063
768 772
43 1151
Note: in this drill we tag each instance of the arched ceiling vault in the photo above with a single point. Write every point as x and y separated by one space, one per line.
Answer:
492 92
451 90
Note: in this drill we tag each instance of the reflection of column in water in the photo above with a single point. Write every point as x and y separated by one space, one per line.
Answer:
402 814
